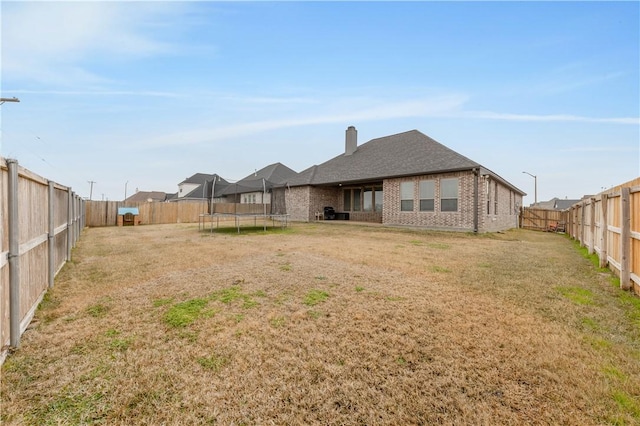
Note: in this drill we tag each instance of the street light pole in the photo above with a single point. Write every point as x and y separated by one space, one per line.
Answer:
91 182
3 100
14 99
535 183
125 190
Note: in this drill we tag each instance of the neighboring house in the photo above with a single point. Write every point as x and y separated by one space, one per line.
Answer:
200 187
556 204
147 197
257 188
407 179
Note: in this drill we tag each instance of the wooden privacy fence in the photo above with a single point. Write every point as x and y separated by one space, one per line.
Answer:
41 222
608 224
541 219
105 213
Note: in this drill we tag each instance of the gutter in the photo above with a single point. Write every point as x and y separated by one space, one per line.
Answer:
476 219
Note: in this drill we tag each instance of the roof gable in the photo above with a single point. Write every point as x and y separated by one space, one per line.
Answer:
200 178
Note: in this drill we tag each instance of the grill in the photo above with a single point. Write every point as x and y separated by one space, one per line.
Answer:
329 213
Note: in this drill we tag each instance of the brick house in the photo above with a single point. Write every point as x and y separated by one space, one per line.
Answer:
407 179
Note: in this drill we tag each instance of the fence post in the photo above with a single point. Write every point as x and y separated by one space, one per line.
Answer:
582 217
76 222
592 225
14 255
604 231
51 237
625 238
69 222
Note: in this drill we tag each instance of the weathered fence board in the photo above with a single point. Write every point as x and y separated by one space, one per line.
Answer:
609 225
41 220
541 219
105 213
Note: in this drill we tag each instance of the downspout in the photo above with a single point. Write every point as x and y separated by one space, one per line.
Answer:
476 219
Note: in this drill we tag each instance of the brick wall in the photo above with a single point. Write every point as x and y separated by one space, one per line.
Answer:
461 220
304 201
508 205
297 201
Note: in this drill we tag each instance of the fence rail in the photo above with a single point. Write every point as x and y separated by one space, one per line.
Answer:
608 224
105 213
541 219
41 222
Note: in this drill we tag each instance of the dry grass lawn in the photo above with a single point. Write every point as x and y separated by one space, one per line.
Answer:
327 324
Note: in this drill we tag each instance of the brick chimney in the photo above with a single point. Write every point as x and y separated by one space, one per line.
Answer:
351 142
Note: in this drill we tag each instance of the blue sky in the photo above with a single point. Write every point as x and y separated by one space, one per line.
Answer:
145 94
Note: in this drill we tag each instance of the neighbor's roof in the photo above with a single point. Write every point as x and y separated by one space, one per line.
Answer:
201 178
404 154
144 196
266 178
555 204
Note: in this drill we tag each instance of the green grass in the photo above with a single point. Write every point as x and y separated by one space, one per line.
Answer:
613 372
440 269
593 257
98 310
627 403
578 295
632 305
70 409
234 293
315 296
359 288
185 313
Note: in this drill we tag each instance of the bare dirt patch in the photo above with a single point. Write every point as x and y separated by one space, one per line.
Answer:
327 324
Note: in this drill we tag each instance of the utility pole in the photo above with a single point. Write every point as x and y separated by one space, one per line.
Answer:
125 190
91 182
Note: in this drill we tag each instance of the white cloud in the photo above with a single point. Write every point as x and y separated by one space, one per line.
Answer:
437 106
51 42
547 118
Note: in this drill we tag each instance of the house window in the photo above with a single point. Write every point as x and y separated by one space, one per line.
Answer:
495 200
378 197
406 196
346 201
449 195
488 197
357 196
427 195
367 199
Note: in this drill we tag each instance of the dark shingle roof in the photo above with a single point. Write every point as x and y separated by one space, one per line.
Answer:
144 196
205 181
274 175
200 178
403 154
